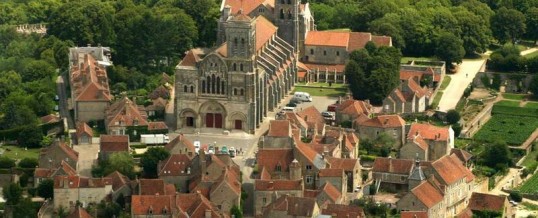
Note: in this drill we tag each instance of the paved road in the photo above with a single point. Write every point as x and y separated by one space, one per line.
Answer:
87 157
62 103
460 80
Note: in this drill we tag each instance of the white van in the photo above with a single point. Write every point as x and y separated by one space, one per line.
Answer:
302 96
288 109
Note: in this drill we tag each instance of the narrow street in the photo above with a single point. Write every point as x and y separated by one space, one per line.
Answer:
460 80
62 102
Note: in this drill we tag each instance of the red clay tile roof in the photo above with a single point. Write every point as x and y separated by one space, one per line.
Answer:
152 187
343 211
271 158
118 180
427 194
83 128
305 150
222 50
331 191
80 182
125 113
414 214
382 40
451 169
51 118
466 213
229 178
354 107
276 185
69 181
358 40
42 172
264 31
347 164
160 92
195 205
294 118
157 126
419 91
264 175
182 142
279 128
302 67
157 204
68 151
391 165
339 68
486 202
79 212
385 121
409 74
294 206
89 81
327 38
246 6
463 155
429 132
114 143
175 165
301 74
68 169
311 114
334 172
191 58
418 140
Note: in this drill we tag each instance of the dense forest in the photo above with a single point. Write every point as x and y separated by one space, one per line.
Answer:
148 37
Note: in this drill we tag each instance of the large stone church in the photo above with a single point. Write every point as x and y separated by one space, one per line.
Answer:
256 62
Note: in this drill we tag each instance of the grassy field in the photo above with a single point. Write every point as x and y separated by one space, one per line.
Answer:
317 91
404 60
15 152
530 186
514 96
530 158
531 105
437 98
512 129
508 103
446 82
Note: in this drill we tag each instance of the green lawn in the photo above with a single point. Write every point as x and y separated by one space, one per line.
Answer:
317 91
508 103
446 82
531 105
531 157
325 85
514 96
531 55
404 60
15 152
512 129
437 98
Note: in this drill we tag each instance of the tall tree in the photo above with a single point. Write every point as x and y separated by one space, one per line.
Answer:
122 162
531 17
449 49
45 189
12 192
475 33
497 155
151 158
508 25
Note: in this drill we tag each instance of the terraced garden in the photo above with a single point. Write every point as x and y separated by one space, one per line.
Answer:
512 129
530 186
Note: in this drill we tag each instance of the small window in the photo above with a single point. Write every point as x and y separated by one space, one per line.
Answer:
278 168
264 200
235 41
261 10
235 91
192 89
185 88
324 52
308 167
337 53
235 66
309 180
242 92
203 86
241 67
311 51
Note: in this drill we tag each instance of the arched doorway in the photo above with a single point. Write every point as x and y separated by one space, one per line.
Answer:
213 114
237 120
188 118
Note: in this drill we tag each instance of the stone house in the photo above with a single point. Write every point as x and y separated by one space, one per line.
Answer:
79 212
352 169
341 210
299 123
392 174
225 192
90 92
51 157
409 97
433 71
158 127
84 134
175 205
391 125
122 186
156 108
109 144
425 197
350 110
267 191
153 187
68 190
122 114
159 92
481 202
276 162
325 194
314 120
181 145
279 135
292 207
439 140
176 170
158 206
41 174
336 177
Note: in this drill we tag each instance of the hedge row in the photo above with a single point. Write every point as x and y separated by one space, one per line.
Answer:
514 111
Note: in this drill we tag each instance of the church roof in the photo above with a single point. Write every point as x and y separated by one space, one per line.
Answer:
246 6
264 31
347 39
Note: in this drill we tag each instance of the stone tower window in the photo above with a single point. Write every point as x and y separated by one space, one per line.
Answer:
213 84
222 91
289 15
235 66
218 85
324 52
311 51
242 42
185 88
203 86
282 11
241 67
242 92
192 89
337 53
235 91
208 85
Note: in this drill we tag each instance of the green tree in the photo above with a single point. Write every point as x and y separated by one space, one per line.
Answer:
25 209
453 116
122 162
533 86
475 34
450 49
151 158
373 74
28 163
30 136
507 25
84 22
12 192
370 11
507 58
45 189
16 112
9 82
6 163
497 156
531 17
37 69
236 211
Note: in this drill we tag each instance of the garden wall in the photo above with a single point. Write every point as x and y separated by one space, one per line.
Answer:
513 82
482 118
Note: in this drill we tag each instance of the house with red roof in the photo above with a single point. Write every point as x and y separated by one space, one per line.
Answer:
343 211
123 114
481 203
79 212
428 141
109 144
122 186
84 133
351 110
68 190
51 157
432 72
409 97
391 125
181 145
90 92
176 170
288 206
41 174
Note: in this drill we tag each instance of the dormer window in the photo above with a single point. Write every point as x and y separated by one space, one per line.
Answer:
309 167
135 122
278 168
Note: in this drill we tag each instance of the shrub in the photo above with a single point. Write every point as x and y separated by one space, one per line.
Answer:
28 163
453 116
516 196
6 163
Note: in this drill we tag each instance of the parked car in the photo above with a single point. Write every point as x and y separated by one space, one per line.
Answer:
224 150
211 149
302 96
327 115
232 151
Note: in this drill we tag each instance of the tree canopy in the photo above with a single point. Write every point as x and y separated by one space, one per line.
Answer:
508 25
151 158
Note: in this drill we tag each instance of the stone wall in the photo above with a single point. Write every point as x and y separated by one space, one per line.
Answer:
469 129
513 82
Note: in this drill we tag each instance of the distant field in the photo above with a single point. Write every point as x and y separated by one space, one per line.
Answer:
514 96
508 103
514 111
512 129
531 185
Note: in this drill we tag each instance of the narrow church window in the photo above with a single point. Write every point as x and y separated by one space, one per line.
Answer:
235 91
235 67
223 90
242 92
213 84
324 52
282 12
203 86
185 88
235 41
208 85
241 67
218 85
289 14
242 42
192 89
311 51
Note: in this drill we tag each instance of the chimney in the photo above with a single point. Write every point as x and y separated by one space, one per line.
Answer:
208 213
